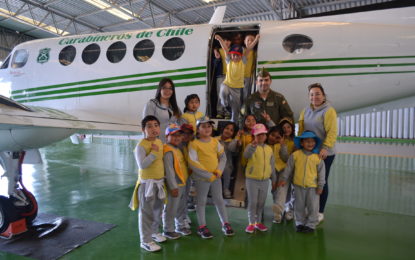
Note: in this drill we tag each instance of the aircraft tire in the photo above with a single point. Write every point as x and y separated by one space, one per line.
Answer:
8 213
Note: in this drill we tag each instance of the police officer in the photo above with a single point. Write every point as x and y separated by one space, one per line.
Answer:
268 106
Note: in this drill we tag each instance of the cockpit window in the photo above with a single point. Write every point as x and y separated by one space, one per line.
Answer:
67 55
143 50
5 64
173 48
297 43
19 58
91 53
116 52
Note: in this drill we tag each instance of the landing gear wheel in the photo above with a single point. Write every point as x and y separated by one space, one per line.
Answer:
29 211
8 213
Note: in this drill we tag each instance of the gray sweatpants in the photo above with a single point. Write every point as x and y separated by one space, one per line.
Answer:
283 197
257 194
219 81
306 206
149 213
181 216
231 97
202 190
170 212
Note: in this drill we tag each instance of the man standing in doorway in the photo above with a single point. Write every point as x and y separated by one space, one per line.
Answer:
268 106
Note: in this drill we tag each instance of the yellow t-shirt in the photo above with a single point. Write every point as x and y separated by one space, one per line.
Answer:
249 66
192 118
207 153
235 74
156 169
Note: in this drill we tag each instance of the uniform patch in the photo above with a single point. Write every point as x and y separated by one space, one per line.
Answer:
270 104
257 105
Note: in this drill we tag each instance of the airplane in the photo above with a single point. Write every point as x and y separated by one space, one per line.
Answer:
99 83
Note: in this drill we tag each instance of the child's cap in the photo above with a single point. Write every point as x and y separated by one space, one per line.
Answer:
172 129
186 127
304 135
204 119
259 129
236 49
286 119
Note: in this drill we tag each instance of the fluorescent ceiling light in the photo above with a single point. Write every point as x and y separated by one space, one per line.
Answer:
30 21
120 12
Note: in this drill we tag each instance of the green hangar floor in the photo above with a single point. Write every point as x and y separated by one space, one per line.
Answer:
370 213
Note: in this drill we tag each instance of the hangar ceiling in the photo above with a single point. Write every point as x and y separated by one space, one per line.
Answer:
51 18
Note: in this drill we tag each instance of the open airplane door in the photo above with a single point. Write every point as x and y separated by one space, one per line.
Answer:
236 34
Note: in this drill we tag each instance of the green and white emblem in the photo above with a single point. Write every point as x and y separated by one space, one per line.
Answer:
43 55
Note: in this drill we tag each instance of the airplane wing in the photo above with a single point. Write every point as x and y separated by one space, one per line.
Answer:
25 127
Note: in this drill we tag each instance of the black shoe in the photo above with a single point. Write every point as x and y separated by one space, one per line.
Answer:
227 229
300 228
204 232
171 235
308 229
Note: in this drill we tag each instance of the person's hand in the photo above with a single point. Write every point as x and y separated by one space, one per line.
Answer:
323 153
266 116
217 37
174 193
319 191
281 183
154 147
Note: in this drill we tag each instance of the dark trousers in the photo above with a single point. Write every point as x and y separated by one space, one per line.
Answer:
323 197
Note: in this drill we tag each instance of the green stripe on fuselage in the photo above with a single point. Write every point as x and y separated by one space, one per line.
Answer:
106 79
114 91
334 59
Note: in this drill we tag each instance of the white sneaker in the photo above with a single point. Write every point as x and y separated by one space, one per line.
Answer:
227 194
158 237
150 247
289 215
320 217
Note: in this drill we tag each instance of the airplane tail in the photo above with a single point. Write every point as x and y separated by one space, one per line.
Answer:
218 15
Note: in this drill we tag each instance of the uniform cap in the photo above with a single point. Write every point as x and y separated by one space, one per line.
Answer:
186 127
236 49
204 119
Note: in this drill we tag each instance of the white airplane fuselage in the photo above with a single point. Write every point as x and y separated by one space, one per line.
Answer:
358 64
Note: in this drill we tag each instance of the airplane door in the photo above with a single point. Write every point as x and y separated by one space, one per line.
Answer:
234 34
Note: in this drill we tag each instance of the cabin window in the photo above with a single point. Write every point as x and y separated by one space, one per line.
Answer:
91 53
173 48
297 43
143 50
19 59
67 55
5 64
116 52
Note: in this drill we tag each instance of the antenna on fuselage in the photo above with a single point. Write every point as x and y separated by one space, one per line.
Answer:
218 15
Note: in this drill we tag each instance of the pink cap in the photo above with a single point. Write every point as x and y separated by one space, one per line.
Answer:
259 129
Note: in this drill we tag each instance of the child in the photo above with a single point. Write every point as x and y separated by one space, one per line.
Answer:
230 145
149 190
245 135
191 115
207 161
250 40
175 167
258 172
308 172
187 204
276 142
230 90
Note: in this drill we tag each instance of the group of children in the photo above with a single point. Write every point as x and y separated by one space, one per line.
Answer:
192 154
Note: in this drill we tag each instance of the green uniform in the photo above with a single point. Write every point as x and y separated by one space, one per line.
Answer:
275 105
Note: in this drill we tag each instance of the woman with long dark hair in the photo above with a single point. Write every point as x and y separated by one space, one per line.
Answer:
164 106
321 118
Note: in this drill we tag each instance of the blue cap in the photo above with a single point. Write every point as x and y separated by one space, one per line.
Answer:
304 135
172 129
237 49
